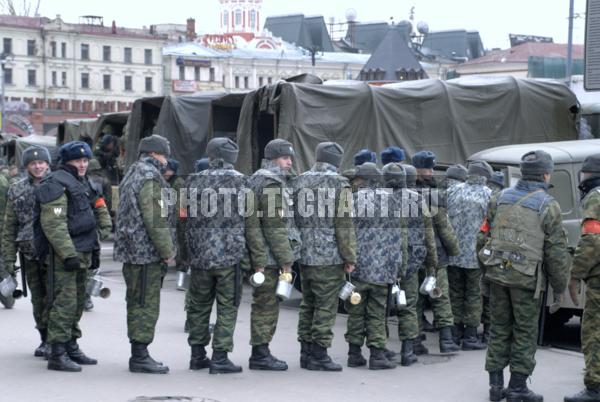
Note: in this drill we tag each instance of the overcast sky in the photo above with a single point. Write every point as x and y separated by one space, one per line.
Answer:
493 19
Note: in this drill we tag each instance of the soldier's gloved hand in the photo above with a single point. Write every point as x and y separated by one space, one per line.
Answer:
71 264
484 287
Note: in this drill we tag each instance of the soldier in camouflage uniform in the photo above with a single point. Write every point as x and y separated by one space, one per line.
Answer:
7 302
17 236
282 241
363 156
217 242
379 232
145 244
68 216
328 250
467 206
421 252
521 233
177 182
455 175
586 267
447 245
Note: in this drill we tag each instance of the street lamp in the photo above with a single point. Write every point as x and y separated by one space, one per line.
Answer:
4 58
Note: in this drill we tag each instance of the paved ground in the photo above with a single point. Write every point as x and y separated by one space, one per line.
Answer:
25 378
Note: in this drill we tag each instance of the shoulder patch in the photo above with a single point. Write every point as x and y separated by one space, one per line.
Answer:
49 191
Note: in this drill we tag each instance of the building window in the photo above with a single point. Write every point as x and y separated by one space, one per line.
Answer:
63 79
54 79
85 51
225 18
105 53
7 46
237 81
252 19
238 17
148 84
182 73
53 49
211 77
106 81
147 56
31 78
85 80
261 81
127 55
31 47
197 73
8 76
128 85
63 50
246 82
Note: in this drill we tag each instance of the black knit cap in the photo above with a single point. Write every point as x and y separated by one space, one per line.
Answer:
367 171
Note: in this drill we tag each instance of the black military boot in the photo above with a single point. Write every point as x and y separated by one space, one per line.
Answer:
471 341
447 345
458 331
141 362
305 349
355 357
390 355
77 354
40 351
319 360
220 364
59 360
199 360
418 347
518 391
262 359
587 395
186 327
497 390
408 357
378 361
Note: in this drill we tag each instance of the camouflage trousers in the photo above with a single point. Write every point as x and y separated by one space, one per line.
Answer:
408 321
465 295
205 287
321 285
514 329
442 310
69 297
265 309
142 317
485 310
37 282
367 318
590 334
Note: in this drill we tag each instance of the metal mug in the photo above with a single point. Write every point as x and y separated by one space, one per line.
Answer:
257 279
183 280
436 293
346 291
428 285
94 287
399 296
284 287
8 286
355 298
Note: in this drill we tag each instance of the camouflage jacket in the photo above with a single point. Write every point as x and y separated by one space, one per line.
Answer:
586 262
18 221
322 201
467 206
379 236
145 228
216 225
556 258
445 238
421 248
274 215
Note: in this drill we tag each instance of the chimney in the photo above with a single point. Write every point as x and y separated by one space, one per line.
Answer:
114 27
191 29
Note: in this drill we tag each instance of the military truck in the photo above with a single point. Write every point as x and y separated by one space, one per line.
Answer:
568 157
